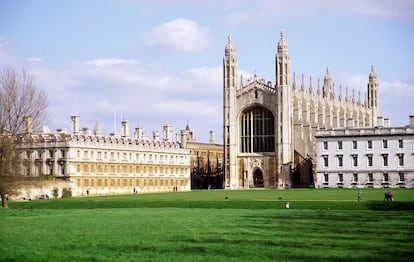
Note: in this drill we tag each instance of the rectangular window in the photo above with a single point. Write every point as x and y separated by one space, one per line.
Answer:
354 144
62 153
51 153
384 143
385 160
400 143
386 178
326 178
325 145
340 145
370 178
355 160
401 176
325 161
340 178
355 177
400 159
340 161
369 158
369 145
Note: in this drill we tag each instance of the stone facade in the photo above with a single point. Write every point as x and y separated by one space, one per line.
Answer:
98 164
366 157
269 129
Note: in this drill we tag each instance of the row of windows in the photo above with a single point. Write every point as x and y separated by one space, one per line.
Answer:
88 155
369 158
400 144
130 169
117 182
48 153
355 178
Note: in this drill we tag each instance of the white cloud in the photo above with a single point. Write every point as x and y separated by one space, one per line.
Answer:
179 35
146 95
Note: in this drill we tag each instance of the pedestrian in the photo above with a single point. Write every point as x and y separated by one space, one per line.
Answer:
359 195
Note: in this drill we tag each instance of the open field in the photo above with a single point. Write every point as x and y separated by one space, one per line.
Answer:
322 225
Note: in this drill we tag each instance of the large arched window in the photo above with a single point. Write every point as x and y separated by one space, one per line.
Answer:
257 131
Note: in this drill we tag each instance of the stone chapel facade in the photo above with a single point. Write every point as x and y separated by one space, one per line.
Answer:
269 129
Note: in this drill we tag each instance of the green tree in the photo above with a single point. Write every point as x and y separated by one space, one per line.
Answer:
22 110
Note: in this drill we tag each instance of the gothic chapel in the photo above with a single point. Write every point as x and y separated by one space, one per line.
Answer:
269 129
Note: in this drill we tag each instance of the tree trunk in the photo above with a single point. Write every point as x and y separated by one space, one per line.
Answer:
4 201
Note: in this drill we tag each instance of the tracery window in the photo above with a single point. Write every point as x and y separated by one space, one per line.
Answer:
257 131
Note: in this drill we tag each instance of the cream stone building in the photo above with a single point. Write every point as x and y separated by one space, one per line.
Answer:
91 163
269 128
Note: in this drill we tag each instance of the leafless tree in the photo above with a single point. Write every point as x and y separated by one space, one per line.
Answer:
20 100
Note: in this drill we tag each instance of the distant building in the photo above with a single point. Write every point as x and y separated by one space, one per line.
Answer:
269 128
91 163
381 156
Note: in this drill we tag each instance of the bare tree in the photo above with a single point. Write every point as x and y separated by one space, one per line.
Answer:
20 101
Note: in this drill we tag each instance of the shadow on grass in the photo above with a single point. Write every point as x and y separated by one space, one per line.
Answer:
385 206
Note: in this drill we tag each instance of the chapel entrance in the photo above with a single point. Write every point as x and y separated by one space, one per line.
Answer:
258 178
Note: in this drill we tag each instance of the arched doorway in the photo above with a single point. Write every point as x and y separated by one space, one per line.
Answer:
258 178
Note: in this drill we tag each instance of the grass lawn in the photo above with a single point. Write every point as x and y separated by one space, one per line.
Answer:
221 225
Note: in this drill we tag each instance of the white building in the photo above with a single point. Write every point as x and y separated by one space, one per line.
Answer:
377 157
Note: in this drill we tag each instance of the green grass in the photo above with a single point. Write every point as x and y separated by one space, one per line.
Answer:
221 225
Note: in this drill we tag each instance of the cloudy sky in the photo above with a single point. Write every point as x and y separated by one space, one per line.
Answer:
155 62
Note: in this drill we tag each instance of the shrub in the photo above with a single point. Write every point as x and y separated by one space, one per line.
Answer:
66 192
55 192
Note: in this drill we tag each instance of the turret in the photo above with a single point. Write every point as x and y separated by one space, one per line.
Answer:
283 119
229 119
372 90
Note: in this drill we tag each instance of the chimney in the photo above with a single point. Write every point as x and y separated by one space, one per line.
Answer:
75 124
184 138
156 135
167 133
125 128
138 132
211 137
411 123
350 122
97 131
380 121
28 124
386 122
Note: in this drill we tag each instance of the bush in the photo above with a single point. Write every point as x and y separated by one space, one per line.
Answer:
66 192
55 193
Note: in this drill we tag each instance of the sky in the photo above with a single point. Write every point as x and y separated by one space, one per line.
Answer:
155 62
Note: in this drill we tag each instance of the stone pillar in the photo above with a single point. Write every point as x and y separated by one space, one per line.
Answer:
75 124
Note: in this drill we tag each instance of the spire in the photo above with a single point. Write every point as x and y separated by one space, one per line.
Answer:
340 93
372 75
346 95
302 85
294 81
359 97
282 42
318 91
310 85
229 47
353 96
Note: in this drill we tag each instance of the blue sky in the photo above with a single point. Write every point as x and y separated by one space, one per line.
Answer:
160 62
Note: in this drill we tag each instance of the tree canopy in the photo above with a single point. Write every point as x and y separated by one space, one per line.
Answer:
22 110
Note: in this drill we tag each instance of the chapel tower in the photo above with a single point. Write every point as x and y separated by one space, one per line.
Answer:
283 130
372 90
229 112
